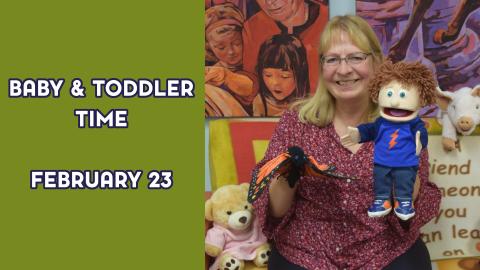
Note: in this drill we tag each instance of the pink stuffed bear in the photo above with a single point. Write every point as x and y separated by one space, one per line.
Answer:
236 235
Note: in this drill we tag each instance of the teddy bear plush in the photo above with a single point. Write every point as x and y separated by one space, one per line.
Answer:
236 236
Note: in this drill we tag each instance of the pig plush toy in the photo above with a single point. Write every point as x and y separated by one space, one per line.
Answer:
459 113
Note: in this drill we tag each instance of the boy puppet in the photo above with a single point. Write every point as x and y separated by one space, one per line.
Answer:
399 135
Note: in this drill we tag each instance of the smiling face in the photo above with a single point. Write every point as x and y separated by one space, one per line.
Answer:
227 46
281 83
280 10
398 103
347 81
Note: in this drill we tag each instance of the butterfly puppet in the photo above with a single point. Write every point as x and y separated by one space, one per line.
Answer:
295 163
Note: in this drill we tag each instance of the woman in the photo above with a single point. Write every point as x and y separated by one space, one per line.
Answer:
282 70
229 90
322 223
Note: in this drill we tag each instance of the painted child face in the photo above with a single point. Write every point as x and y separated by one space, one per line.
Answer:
227 47
281 83
398 103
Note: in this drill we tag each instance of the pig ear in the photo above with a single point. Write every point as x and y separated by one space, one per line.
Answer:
443 98
476 91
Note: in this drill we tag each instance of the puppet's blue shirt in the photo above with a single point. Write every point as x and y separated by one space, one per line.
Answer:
394 141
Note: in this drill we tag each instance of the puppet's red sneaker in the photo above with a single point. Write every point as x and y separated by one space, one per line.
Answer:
379 208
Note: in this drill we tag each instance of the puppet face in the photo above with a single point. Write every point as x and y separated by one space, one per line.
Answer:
398 103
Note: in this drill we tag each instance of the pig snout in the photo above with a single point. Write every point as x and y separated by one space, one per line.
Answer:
465 123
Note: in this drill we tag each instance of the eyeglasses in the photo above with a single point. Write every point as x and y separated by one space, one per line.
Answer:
351 59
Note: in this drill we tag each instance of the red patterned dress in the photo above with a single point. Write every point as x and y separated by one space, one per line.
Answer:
327 226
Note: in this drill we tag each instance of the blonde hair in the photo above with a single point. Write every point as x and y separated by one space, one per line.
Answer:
221 18
319 109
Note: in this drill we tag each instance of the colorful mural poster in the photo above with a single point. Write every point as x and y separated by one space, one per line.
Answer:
260 56
443 34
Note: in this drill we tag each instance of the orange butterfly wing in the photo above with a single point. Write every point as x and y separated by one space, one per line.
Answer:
278 165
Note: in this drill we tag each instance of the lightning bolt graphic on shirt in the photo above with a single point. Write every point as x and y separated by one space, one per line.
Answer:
392 142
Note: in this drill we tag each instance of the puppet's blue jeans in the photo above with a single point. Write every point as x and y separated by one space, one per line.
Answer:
402 179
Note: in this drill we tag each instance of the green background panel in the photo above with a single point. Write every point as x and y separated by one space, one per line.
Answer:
101 229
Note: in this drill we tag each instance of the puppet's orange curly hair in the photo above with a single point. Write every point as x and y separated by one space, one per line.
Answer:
407 74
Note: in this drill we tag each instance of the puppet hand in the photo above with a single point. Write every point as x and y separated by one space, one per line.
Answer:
352 137
418 144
